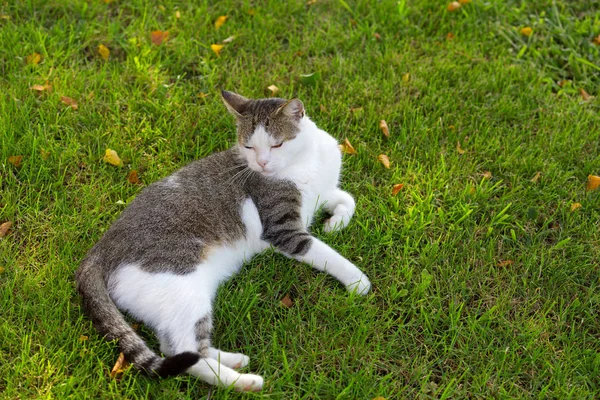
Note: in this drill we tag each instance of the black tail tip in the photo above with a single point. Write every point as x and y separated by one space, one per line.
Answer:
177 364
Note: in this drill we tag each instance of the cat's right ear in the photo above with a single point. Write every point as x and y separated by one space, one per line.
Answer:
235 103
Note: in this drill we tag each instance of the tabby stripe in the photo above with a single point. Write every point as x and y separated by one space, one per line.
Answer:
288 216
302 247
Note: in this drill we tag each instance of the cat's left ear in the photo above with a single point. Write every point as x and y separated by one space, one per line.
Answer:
293 109
235 103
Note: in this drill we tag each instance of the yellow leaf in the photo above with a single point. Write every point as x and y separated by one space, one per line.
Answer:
120 366
177 14
346 147
220 21
41 88
132 177
33 59
83 338
536 177
505 263
455 5
158 37
593 182
526 31
575 206
406 77
584 95
217 48
15 160
460 149
273 89
113 158
69 102
4 228
384 128
103 51
287 301
382 158
397 188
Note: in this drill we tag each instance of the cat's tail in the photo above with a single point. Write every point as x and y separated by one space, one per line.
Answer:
109 321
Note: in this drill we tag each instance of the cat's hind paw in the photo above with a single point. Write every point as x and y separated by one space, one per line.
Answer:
335 223
249 383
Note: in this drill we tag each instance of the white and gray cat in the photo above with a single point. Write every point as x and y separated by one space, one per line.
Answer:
164 258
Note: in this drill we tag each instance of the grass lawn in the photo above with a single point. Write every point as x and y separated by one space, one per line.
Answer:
485 274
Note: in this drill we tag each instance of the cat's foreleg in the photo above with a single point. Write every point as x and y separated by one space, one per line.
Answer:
341 206
231 360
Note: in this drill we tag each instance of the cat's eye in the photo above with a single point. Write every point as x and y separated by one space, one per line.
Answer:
249 147
277 146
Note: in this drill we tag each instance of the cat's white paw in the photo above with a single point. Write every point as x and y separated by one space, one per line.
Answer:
240 361
249 383
361 285
335 223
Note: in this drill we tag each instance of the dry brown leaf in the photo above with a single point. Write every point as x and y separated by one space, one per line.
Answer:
132 177
384 128
593 182
287 301
455 5
596 40
119 367
158 37
575 206
113 158
526 31
346 147
41 88
177 14
406 77
584 95
69 102
220 21
450 36
33 59
217 49
382 158
397 188
377 36
273 89
4 228
229 39
103 51
487 175
460 149
15 160
505 263
536 177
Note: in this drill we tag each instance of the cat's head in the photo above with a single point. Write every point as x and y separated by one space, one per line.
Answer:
268 131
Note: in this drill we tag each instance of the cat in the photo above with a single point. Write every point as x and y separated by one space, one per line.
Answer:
165 256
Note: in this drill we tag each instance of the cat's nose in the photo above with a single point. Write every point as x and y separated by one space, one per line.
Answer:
262 163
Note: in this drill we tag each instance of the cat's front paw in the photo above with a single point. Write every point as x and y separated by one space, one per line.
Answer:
361 285
335 223
249 383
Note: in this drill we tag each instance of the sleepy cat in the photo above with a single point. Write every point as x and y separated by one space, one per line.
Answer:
164 258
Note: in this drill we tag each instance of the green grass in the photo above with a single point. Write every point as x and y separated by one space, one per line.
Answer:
445 319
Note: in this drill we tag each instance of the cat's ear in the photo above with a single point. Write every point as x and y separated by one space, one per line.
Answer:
235 103
293 109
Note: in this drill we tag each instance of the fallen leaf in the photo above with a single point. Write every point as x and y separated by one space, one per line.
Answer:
455 5
460 149
287 302
346 147
202 95
384 128
41 88
575 206
132 177
505 263
406 77
120 366
487 175
217 49
113 158
450 36
15 160
45 154
397 188
4 228
158 37
526 31
593 182
33 59
596 40
273 89
584 95
382 158
83 338
69 102
177 14
103 51
229 39
377 36
536 177
220 21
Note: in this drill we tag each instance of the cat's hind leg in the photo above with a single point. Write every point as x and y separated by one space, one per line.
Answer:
231 360
341 206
